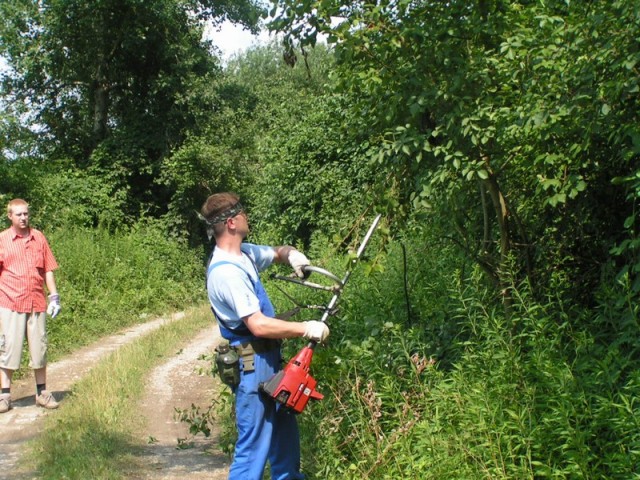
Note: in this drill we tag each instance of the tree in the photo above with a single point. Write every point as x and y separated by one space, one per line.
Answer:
309 181
278 144
109 84
497 117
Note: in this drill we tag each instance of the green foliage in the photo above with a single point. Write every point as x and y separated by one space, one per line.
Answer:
16 140
547 392
111 85
309 178
62 196
108 281
201 166
311 183
499 138
506 122
18 180
628 248
79 199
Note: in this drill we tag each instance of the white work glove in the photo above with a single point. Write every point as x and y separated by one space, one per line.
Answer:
297 260
316 331
54 305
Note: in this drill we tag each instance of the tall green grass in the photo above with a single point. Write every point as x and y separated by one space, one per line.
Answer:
108 281
428 376
462 390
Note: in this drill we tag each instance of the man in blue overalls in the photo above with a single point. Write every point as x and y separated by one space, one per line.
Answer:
246 318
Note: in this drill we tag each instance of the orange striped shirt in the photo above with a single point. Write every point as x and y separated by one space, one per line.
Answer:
23 264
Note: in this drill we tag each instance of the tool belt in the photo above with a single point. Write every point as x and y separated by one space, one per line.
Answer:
247 351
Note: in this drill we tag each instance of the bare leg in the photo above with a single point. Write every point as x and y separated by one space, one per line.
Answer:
41 375
5 377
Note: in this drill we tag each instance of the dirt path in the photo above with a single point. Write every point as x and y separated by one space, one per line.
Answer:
173 384
177 384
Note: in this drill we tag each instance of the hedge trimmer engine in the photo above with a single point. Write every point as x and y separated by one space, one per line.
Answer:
294 386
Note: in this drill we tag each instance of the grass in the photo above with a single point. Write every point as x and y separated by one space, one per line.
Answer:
108 281
92 435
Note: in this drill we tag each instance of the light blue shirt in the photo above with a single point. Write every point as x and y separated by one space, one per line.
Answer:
231 292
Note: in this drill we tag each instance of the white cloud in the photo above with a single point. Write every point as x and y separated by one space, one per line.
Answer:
232 39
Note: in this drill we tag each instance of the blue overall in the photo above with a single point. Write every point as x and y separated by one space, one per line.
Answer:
265 432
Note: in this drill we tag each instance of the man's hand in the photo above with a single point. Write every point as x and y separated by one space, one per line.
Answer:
54 305
316 331
297 260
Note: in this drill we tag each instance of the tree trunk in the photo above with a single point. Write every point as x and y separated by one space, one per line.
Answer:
100 106
502 215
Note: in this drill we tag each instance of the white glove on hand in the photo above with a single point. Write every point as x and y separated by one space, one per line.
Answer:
54 305
316 331
297 260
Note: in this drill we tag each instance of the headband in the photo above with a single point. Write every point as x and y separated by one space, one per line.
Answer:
230 212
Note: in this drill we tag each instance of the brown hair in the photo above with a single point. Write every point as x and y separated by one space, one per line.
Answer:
217 204
14 203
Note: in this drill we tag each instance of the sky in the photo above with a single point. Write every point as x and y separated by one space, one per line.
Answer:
232 39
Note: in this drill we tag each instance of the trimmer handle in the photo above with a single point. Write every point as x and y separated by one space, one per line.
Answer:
308 269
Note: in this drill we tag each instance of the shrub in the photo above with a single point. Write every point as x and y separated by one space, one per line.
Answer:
108 281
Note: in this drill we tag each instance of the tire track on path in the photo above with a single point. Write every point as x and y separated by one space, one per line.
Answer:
178 384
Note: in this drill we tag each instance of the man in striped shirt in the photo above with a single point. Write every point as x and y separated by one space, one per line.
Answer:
26 266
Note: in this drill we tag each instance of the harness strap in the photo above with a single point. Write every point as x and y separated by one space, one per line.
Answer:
245 343
241 330
265 304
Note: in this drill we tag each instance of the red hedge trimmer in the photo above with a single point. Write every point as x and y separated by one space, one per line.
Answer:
293 386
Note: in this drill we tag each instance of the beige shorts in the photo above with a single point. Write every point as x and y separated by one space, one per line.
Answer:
14 327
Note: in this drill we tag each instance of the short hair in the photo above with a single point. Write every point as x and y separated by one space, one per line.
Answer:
215 205
14 203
